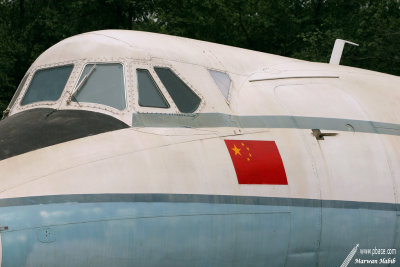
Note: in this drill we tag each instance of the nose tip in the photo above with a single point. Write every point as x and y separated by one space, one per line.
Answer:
37 128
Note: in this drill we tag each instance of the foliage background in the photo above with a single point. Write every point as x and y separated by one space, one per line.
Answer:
304 29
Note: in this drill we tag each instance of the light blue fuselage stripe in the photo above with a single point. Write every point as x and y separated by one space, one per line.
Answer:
190 230
196 198
211 120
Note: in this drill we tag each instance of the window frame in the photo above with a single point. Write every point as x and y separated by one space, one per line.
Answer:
28 81
185 84
21 86
89 105
172 109
157 87
228 99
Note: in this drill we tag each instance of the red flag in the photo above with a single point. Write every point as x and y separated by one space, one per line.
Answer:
257 162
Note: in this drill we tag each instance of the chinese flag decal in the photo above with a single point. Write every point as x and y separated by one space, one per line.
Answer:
257 162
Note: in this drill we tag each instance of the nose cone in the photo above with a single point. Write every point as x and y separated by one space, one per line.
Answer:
37 128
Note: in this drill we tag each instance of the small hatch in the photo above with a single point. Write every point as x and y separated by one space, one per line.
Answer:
149 93
185 99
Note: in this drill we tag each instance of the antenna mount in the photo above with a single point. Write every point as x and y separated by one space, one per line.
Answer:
338 50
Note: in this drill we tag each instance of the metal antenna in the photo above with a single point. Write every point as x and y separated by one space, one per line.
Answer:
338 50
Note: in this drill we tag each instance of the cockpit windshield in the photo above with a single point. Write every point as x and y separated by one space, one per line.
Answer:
101 84
47 84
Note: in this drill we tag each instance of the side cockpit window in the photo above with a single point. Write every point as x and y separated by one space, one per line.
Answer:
20 86
149 93
223 82
185 99
101 84
47 84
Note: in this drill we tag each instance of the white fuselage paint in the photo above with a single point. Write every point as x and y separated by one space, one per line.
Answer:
315 169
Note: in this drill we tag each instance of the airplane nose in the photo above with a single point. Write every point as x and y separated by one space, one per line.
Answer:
37 128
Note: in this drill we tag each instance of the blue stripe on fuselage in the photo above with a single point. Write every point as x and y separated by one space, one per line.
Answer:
197 198
189 230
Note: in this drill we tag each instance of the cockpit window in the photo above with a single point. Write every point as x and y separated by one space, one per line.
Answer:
47 84
20 86
149 93
185 99
101 84
222 80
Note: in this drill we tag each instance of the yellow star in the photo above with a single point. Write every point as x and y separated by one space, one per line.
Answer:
248 159
248 149
250 155
242 144
236 150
